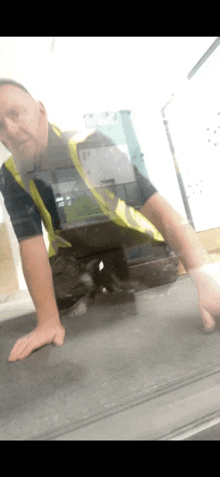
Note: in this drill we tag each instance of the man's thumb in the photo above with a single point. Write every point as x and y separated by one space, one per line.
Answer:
207 318
59 337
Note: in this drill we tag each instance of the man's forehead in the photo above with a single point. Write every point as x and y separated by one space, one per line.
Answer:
11 94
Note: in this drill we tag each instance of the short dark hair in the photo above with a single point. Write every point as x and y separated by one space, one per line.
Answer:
13 83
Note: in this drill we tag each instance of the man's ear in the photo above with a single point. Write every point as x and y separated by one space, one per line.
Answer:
42 108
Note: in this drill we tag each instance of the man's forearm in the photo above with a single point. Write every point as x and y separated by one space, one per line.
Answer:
176 231
186 243
183 239
38 276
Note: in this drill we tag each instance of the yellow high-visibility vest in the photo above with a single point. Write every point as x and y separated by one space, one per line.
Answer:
116 209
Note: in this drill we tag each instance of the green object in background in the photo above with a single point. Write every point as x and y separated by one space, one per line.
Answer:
118 126
82 208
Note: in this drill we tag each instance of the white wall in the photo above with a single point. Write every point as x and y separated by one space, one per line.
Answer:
95 74
194 122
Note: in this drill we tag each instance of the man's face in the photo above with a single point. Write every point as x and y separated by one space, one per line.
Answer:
23 123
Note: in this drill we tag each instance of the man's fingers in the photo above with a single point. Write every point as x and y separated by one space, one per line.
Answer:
207 318
25 352
18 349
24 346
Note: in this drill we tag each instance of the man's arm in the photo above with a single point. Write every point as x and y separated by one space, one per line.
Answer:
196 260
176 231
38 276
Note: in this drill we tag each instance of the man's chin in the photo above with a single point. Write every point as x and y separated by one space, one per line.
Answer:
28 151
25 152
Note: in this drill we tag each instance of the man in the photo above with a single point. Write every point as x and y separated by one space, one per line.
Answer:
25 132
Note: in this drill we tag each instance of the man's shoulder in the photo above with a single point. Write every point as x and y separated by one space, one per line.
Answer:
3 173
2 179
7 179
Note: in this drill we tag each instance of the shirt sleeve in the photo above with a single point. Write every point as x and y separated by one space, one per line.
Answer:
24 216
145 186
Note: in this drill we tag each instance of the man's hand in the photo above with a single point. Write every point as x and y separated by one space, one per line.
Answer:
48 332
207 281
209 306
38 276
207 318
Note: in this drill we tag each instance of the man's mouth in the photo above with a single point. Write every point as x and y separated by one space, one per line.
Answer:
17 145
23 142
21 145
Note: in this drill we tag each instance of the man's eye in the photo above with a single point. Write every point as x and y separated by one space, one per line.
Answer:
13 114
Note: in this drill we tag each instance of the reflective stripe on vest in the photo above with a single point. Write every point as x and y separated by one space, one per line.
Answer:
54 240
116 209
